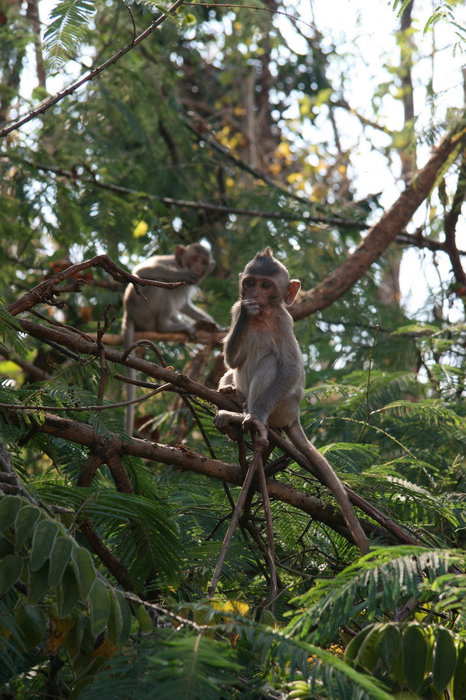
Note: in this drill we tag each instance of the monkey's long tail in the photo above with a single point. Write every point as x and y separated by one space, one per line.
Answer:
316 463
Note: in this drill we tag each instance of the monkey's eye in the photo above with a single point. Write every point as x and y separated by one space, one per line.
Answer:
249 282
266 284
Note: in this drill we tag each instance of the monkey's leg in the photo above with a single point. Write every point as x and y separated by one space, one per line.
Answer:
251 423
269 526
233 523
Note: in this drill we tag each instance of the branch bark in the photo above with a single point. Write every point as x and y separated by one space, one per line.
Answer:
379 236
184 459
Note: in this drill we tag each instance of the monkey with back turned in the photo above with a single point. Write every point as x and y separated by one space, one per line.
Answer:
266 369
159 312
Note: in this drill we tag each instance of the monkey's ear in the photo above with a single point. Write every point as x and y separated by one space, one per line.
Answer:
290 294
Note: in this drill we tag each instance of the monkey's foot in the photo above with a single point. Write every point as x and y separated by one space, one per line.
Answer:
250 422
227 389
229 423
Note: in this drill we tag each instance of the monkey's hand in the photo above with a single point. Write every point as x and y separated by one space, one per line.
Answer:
184 275
251 422
250 307
227 389
229 423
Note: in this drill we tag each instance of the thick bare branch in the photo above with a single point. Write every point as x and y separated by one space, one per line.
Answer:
379 236
186 460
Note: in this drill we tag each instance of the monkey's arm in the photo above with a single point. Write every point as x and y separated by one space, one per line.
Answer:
235 344
192 311
166 272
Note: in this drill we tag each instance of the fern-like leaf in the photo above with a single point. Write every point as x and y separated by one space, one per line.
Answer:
377 582
69 19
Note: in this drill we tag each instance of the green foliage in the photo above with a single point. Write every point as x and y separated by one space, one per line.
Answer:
220 128
50 587
418 657
69 19
148 539
381 580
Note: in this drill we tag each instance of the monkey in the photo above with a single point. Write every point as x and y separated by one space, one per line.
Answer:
159 311
265 369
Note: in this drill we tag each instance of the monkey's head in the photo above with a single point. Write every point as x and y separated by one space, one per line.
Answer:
268 280
195 257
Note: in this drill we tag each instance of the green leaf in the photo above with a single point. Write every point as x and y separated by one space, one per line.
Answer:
68 591
115 619
38 583
84 569
74 638
390 645
70 18
125 615
24 524
353 647
99 602
9 506
42 543
414 649
444 661
459 679
10 571
59 558
31 625
146 624
368 654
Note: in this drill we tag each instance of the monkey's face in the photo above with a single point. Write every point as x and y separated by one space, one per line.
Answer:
200 264
262 290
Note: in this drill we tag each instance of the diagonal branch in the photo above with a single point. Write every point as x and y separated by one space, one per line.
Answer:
46 290
44 106
380 235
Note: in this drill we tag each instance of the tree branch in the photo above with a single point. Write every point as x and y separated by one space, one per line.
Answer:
45 291
380 235
219 399
44 106
186 460
207 206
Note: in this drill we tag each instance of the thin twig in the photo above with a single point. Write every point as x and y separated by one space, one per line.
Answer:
45 105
